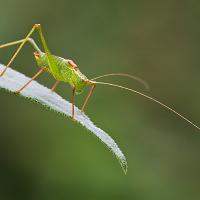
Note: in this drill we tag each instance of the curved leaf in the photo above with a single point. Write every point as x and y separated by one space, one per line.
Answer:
13 80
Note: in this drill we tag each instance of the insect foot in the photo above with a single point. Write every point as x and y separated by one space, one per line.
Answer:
17 92
2 73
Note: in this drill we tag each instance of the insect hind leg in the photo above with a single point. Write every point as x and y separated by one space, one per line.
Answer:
30 40
27 38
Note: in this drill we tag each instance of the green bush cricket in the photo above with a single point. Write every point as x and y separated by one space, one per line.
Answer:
65 70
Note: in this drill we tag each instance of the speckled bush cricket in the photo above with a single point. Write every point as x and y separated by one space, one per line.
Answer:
67 71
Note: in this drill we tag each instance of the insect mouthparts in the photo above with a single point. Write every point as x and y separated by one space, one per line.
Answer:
36 54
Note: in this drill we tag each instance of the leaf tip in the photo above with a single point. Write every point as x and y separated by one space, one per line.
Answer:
124 166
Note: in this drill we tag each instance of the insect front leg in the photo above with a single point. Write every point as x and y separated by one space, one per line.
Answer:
27 38
88 96
73 94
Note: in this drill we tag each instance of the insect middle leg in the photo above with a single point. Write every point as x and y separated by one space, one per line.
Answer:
54 86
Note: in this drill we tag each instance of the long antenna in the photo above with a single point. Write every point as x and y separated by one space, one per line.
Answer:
152 99
144 83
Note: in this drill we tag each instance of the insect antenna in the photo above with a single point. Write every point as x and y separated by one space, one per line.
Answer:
152 99
144 83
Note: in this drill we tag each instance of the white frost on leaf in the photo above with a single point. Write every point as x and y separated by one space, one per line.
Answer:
13 80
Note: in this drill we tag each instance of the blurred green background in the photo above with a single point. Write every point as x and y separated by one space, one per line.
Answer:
44 156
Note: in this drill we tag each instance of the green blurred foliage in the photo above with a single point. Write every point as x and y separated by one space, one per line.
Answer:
44 156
